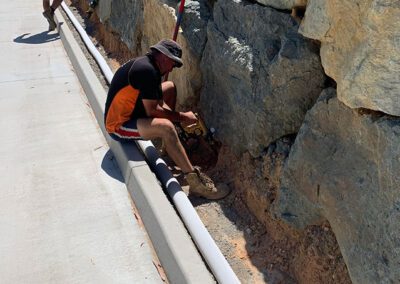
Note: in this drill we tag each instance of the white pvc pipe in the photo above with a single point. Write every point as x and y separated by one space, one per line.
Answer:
206 245
89 44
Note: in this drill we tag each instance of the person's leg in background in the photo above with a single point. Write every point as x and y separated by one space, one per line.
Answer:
46 5
48 12
55 5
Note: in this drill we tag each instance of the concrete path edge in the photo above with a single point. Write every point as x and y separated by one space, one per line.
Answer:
175 249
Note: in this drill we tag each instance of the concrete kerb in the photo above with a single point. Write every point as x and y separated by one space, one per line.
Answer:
173 245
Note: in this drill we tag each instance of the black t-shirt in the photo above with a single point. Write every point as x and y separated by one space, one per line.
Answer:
143 75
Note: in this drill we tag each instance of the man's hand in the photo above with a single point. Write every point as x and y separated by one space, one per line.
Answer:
188 118
155 109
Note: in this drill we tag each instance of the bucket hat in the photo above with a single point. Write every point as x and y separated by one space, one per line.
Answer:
171 49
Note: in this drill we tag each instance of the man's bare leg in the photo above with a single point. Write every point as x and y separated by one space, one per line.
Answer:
164 128
169 102
150 128
46 5
169 94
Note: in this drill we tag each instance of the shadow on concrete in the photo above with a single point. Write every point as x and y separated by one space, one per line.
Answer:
132 151
40 38
110 166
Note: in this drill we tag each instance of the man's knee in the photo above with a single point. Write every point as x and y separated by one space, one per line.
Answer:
167 127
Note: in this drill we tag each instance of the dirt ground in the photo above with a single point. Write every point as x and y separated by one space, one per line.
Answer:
259 248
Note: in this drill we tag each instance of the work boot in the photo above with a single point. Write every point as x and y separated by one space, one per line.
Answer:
49 15
201 185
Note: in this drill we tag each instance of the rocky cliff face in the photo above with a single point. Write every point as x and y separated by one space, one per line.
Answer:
344 167
260 76
360 42
283 4
256 74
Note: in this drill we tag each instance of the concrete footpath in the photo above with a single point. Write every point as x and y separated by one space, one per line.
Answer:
65 213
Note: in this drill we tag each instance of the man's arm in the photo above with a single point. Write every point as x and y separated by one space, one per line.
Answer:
154 109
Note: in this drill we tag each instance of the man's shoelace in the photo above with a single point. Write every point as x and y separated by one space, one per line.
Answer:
207 181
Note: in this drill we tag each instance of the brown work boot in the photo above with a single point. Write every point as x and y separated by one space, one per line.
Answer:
49 15
201 185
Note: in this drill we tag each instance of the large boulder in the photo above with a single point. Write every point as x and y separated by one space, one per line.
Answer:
344 167
104 10
283 4
360 49
115 15
194 31
194 25
260 75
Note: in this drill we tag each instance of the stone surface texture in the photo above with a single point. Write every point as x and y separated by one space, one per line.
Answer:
360 49
126 17
344 167
194 25
283 4
260 77
104 10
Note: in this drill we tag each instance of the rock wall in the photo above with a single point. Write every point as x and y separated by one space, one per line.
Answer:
344 167
360 42
283 4
260 76
255 78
